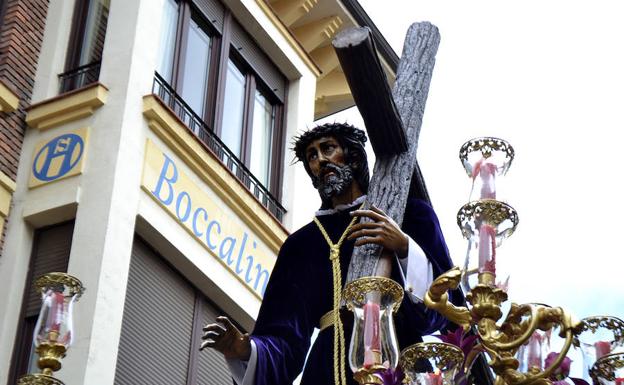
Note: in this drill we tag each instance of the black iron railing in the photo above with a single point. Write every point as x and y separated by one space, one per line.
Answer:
197 125
79 77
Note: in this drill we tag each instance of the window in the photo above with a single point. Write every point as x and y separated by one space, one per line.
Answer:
263 122
86 44
222 75
168 35
196 66
233 109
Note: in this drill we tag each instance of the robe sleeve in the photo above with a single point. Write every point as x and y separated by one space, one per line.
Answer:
284 325
417 272
421 224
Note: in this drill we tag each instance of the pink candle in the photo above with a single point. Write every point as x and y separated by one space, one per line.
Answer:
433 378
55 316
602 348
534 356
487 172
487 249
372 343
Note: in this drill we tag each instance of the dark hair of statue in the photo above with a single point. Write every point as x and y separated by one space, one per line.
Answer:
350 138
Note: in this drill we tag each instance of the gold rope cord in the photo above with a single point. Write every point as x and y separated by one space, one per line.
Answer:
339 340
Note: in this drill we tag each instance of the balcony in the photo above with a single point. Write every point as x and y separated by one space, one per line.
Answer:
201 130
79 77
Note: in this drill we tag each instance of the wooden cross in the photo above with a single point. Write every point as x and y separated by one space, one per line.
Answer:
392 120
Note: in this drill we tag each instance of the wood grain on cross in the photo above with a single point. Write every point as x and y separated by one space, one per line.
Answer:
392 120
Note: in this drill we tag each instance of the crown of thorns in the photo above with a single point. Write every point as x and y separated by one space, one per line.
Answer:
342 131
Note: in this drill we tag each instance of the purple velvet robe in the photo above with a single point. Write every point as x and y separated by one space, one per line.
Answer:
300 292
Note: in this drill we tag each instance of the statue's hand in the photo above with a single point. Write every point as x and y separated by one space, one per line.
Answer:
381 230
224 337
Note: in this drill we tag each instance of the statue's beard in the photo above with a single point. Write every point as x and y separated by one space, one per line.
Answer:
334 184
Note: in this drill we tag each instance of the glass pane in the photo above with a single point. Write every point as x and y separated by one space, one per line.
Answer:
261 138
167 40
95 32
196 62
233 106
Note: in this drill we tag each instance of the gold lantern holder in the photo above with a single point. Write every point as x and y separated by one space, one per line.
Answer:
355 295
52 349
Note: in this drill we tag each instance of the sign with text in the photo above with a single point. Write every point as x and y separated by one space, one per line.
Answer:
219 231
59 157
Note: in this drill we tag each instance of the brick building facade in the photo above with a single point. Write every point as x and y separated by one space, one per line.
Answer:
22 26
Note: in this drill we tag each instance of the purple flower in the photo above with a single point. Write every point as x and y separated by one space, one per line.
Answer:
392 376
561 373
459 339
563 370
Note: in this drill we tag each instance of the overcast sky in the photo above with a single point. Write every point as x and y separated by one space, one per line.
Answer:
548 77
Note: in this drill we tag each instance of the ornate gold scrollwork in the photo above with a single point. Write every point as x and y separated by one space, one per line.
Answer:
606 366
60 280
436 298
38 379
502 342
355 291
494 211
486 145
592 324
445 355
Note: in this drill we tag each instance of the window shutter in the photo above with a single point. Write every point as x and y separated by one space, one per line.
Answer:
213 11
211 366
157 323
51 253
259 61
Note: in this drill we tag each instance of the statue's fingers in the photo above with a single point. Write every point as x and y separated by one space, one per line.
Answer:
369 240
365 232
214 327
377 210
227 324
207 344
212 335
364 225
368 214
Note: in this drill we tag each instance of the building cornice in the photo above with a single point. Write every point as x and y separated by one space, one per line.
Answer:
294 43
7 188
9 101
67 107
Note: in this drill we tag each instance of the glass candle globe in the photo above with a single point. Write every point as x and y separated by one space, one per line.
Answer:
54 331
485 224
373 300
485 160
601 336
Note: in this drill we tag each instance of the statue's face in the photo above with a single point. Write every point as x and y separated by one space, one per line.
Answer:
330 174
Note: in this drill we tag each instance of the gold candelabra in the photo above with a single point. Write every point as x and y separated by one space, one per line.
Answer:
513 345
